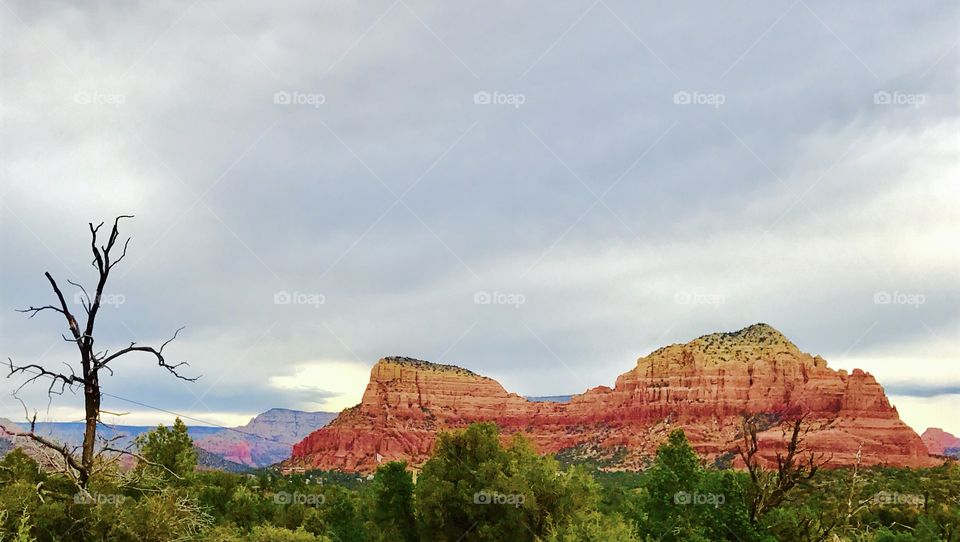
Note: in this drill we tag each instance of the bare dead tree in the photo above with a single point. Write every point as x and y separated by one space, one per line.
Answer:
81 467
794 467
854 504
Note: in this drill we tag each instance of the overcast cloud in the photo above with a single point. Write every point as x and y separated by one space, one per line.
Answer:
643 175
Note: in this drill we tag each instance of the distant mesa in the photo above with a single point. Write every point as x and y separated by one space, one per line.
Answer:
939 442
266 439
703 386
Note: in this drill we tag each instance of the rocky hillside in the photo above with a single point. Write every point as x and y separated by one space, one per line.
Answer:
210 461
703 386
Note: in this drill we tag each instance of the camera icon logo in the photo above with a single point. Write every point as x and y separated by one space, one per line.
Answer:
482 297
482 98
282 297
282 97
882 98
882 298
681 97
682 497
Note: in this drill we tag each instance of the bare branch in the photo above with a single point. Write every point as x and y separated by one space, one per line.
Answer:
97 259
86 304
62 449
794 467
123 255
71 321
161 361
34 310
38 371
103 265
114 233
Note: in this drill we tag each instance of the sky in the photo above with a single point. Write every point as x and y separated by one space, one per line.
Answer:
541 192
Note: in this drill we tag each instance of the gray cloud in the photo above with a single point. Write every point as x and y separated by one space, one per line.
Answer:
922 391
795 201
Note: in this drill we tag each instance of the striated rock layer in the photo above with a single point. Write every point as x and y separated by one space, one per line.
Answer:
704 386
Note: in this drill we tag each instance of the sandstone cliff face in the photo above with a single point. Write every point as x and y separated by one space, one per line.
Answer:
702 386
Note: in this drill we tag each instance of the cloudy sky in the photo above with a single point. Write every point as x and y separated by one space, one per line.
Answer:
540 192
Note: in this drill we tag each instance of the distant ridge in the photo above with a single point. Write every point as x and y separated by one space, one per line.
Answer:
940 442
210 461
549 398
266 439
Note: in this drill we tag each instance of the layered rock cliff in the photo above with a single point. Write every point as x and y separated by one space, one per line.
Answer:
704 386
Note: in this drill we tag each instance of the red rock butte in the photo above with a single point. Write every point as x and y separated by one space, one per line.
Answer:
704 386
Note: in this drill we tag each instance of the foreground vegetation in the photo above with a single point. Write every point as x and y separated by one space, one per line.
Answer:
473 489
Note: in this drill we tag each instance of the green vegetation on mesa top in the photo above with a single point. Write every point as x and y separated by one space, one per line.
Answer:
750 343
428 365
474 489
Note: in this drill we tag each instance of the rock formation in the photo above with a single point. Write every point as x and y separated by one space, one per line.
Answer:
704 386
266 439
939 442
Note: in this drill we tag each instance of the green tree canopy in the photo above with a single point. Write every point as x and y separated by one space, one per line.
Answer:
391 506
682 501
473 489
168 452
